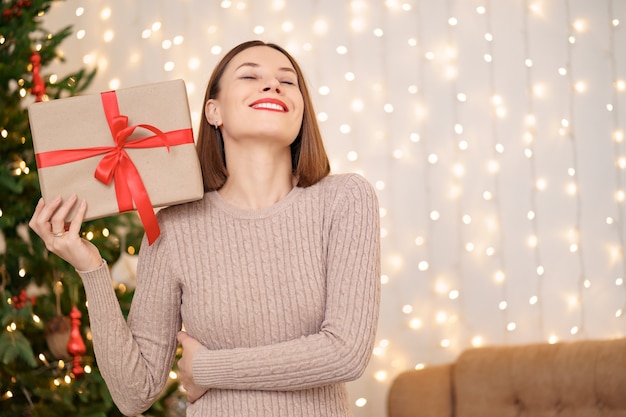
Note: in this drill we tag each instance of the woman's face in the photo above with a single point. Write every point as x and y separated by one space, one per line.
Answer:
259 98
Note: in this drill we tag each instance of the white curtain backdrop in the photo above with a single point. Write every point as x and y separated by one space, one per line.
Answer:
492 130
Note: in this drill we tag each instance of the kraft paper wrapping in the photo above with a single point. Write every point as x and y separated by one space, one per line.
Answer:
79 122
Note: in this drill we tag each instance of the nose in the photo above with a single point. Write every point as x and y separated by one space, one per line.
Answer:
272 84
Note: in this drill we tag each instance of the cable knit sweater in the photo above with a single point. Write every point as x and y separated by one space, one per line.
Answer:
284 300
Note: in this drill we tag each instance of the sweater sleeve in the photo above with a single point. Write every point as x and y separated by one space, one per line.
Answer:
341 349
135 355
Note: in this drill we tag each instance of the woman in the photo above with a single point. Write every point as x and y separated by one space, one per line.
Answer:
274 273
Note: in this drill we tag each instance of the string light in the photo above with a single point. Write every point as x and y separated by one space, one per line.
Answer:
579 87
399 104
530 133
497 148
456 278
618 151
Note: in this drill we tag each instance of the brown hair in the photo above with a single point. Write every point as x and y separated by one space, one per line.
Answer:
308 157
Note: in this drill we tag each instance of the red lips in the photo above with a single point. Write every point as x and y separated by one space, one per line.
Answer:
271 104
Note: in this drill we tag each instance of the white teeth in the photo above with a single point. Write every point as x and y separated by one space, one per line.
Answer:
268 106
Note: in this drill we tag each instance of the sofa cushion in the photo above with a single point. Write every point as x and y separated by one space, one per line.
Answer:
570 379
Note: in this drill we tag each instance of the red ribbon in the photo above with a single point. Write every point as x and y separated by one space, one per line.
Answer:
116 164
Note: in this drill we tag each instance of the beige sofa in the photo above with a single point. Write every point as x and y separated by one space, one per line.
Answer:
568 379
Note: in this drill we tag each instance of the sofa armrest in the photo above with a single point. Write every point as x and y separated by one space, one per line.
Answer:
422 393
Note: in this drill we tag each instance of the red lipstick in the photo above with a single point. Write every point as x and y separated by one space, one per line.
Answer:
270 101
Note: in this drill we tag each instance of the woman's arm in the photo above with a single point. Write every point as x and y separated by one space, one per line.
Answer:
135 356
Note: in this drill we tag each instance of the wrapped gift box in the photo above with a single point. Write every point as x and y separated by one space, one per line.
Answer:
138 140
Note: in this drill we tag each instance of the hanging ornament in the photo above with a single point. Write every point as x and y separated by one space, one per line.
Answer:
76 345
39 88
57 334
3 243
33 290
57 330
124 271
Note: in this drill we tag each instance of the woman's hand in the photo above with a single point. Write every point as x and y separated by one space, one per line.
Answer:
63 239
185 372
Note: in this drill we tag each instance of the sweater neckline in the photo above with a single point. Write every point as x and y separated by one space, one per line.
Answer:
216 199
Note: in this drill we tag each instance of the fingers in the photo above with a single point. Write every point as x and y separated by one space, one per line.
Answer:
50 218
40 222
78 218
185 371
60 214
182 337
63 239
38 207
192 397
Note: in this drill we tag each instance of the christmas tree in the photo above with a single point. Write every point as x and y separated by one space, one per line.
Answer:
47 366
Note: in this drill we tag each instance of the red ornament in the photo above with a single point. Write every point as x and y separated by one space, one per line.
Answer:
76 346
16 9
39 87
19 301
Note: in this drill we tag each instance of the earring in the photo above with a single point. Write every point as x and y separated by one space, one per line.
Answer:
216 123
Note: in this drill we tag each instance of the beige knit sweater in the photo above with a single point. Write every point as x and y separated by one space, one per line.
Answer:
284 299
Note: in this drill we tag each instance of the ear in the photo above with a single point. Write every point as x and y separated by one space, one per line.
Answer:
212 114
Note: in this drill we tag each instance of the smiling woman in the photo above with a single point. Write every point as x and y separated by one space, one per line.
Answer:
309 162
274 273
259 85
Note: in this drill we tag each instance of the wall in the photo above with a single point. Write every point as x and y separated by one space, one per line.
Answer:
492 130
